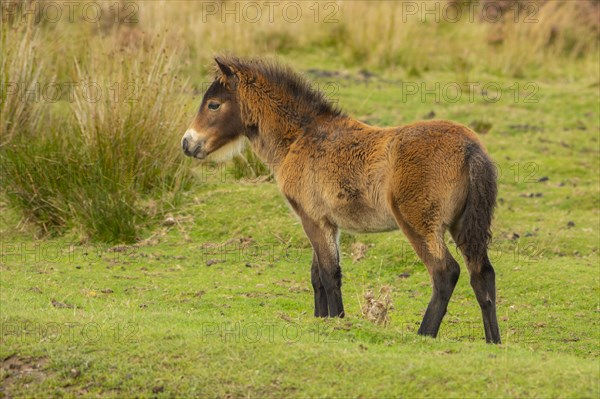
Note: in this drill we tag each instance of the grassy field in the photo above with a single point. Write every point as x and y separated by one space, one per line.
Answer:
156 319
213 297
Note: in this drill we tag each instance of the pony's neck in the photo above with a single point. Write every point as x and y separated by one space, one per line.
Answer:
276 127
277 114
272 144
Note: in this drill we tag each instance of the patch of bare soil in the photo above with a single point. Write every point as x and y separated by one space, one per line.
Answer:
18 371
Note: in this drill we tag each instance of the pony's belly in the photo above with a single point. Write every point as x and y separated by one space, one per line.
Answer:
363 220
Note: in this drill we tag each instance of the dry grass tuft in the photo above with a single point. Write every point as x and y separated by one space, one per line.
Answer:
377 310
358 250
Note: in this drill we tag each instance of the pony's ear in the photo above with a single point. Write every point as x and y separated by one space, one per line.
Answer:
227 70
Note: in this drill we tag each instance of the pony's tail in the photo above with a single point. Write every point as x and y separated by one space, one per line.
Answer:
474 235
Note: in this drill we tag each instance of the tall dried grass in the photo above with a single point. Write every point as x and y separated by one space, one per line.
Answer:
19 71
94 158
93 164
520 38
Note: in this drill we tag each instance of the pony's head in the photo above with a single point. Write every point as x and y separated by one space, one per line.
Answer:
217 132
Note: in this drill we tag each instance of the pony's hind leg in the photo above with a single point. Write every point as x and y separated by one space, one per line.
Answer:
321 309
442 268
483 281
444 275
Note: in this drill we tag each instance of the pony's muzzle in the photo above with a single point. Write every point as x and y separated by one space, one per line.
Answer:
193 148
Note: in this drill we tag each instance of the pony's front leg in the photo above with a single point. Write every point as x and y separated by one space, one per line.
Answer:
325 245
324 239
321 309
330 273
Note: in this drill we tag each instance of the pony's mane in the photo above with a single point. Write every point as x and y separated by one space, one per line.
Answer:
284 77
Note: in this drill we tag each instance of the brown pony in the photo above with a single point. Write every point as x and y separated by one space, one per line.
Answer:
340 174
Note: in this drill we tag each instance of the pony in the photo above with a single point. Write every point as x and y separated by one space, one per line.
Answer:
338 173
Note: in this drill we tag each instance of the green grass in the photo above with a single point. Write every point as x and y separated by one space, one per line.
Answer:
156 320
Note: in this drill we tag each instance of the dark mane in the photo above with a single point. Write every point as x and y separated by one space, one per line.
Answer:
294 84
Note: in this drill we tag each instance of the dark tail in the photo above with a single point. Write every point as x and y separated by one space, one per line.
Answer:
474 234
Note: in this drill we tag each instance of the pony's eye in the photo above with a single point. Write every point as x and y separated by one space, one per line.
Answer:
213 106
